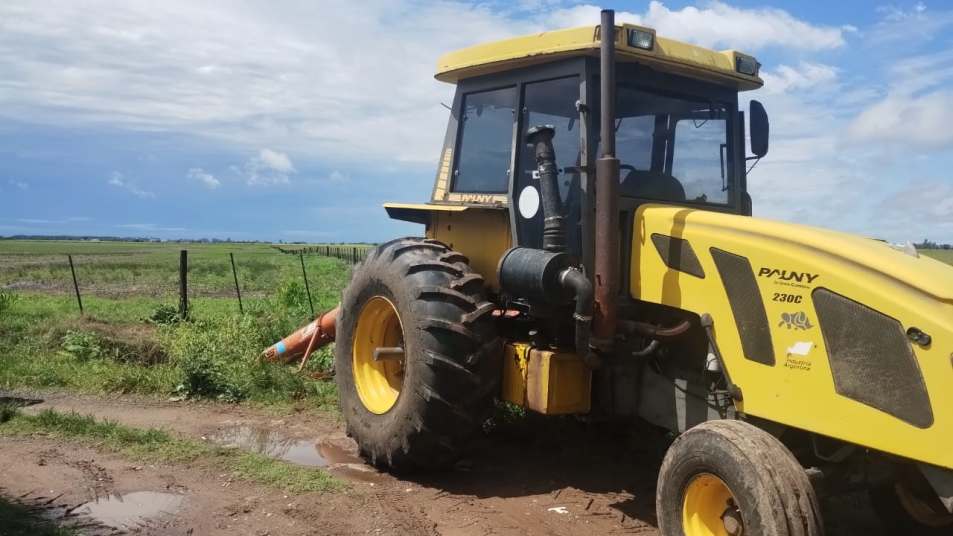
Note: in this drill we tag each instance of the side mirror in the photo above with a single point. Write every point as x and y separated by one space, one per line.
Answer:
759 128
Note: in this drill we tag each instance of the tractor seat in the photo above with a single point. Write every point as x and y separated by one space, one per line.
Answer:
652 185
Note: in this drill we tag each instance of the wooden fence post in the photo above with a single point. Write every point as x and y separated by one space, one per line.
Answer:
79 300
238 291
306 286
183 284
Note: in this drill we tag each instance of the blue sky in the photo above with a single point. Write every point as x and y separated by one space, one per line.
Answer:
296 120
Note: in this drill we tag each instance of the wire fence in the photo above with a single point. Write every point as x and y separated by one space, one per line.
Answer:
352 254
153 271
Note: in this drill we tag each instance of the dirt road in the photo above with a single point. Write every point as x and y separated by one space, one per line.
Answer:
545 477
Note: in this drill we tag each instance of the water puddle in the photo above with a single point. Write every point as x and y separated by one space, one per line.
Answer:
309 452
130 510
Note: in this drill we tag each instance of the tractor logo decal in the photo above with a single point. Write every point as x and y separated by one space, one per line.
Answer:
796 320
787 275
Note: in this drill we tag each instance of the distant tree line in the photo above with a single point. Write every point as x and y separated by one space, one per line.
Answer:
929 244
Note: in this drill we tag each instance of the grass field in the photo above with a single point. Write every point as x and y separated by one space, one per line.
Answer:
945 255
129 339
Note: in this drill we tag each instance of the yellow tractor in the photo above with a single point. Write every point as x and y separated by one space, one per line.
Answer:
590 250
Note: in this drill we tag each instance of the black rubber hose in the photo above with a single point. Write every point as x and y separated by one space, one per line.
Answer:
554 229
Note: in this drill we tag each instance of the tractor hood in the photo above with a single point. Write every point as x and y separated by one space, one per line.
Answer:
839 334
903 265
916 271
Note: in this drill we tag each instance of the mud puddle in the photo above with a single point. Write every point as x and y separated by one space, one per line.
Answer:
131 510
311 452
320 452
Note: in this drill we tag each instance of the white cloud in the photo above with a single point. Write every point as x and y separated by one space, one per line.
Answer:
293 75
118 180
21 185
207 179
268 168
903 120
276 161
917 24
916 109
719 25
806 75
290 75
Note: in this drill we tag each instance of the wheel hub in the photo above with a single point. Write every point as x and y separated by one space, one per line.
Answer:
709 508
378 358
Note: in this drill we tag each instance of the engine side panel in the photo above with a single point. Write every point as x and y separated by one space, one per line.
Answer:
850 373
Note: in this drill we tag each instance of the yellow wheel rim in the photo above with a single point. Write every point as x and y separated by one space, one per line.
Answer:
378 381
709 508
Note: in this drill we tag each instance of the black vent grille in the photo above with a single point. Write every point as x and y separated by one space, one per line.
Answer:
871 359
746 305
678 254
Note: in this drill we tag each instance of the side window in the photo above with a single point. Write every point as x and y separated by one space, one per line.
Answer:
551 102
486 139
634 141
700 162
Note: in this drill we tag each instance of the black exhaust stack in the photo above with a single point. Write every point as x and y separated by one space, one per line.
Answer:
606 262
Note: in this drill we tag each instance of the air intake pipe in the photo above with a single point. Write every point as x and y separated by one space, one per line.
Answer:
554 228
548 277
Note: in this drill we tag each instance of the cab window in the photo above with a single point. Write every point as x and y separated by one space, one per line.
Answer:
553 103
672 148
485 141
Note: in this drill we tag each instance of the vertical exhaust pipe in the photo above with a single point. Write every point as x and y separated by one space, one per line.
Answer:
606 262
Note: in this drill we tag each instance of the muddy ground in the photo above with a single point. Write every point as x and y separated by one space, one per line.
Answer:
545 477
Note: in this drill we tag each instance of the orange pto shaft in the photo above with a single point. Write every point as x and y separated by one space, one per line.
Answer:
307 338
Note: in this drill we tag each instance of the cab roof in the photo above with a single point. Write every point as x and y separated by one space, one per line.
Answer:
665 54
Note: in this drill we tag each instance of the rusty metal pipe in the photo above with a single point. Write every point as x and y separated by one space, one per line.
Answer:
606 262
653 331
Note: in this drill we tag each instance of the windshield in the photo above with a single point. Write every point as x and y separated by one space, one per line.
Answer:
672 148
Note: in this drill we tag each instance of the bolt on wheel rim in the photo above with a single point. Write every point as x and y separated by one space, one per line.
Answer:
709 508
378 381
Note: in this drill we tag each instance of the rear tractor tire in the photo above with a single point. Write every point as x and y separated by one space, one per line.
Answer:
418 359
729 478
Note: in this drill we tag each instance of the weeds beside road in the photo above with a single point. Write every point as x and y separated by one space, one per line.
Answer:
137 344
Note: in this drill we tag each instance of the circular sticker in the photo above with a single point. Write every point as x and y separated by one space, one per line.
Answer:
529 202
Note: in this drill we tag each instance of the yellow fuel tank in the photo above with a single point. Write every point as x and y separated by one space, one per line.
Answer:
833 333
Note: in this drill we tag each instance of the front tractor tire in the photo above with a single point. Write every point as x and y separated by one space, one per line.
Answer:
418 359
729 478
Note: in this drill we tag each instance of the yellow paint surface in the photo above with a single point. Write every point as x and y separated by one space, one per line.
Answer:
667 54
799 389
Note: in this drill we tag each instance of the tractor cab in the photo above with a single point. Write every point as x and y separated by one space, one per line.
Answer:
680 138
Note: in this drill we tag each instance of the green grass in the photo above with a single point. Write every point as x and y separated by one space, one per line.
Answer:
158 446
143 269
115 348
945 255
